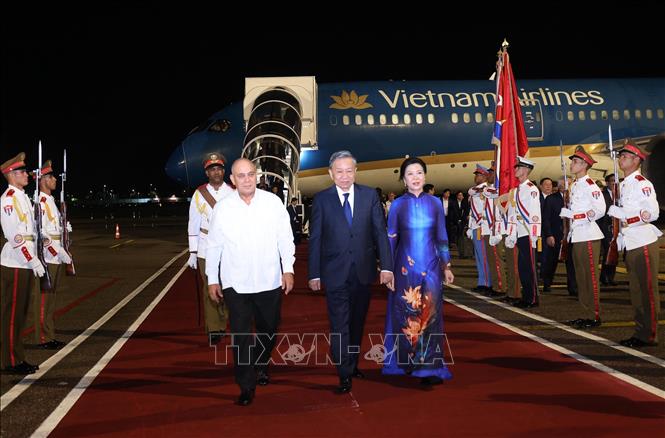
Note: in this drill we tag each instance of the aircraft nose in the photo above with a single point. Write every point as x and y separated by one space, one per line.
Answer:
176 166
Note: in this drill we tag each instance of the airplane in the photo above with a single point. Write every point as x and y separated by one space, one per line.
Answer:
448 124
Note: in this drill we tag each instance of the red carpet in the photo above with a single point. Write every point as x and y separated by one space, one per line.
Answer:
163 382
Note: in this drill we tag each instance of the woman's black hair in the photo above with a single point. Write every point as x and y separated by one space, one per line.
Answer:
409 161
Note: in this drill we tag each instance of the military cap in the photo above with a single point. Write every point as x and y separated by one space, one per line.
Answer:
214 159
523 162
482 170
16 163
630 147
583 155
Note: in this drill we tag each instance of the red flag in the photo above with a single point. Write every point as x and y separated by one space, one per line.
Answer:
509 135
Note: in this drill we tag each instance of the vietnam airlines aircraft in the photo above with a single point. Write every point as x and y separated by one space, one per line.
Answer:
290 126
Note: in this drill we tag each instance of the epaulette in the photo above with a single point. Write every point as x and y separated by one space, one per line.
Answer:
530 184
640 178
590 181
10 192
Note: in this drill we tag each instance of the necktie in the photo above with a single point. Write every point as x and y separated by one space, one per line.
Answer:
347 209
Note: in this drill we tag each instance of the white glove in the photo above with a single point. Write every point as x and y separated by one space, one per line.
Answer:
616 212
511 241
494 240
69 227
565 212
192 260
534 242
37 267
469 233
64 257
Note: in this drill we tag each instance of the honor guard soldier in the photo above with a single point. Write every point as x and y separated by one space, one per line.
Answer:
19 267
638 207
492 240
200 210
586 207
479 227
43 302
524 221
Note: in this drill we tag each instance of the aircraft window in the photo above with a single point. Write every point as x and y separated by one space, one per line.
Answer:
220 126
454 118
431 120
345 120
638 114
490 118
571 116
419 119
581 115
479 118
407 119
333 120
649 114
615 115
359 119
466 117
538 117
370 119
626 114
592 115
603 115
559 116
660 113
382 119
395 119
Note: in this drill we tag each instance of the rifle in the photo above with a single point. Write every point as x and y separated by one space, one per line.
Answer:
612 258
64 233
563 250
45 280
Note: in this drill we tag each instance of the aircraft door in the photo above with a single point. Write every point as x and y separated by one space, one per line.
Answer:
532 114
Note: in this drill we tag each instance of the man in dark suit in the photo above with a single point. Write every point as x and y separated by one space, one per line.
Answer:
605 223
552 233
296 225
458 212
347 230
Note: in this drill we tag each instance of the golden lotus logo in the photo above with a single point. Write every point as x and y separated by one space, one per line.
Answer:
350 101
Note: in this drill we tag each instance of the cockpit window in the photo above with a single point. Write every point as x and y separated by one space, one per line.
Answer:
201 127
220 126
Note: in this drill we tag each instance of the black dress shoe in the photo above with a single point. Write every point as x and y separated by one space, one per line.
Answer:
216 337
262 378
613 283
575 322
633 342
493 293
344 386
357 374
246 397
589 323
51 345
525 305
22 368
431 380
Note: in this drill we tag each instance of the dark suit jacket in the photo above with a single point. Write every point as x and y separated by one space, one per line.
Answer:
605 222
552 224
458 216
334 246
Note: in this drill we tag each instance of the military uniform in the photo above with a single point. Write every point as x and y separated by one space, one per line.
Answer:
493 246
200 210
638 208
587 205
19 264
43 301
524 222
479 227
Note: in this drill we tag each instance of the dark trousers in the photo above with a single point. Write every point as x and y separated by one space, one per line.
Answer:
250 352
607 271
347 309
526 264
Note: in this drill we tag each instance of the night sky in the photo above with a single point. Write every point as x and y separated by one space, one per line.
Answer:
121 88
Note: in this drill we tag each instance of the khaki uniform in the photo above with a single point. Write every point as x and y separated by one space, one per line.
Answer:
17 279
587 205
639 207
200 212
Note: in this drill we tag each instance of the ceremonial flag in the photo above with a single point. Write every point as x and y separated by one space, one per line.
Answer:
508 136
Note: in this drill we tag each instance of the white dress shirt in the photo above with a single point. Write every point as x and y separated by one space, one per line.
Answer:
18 228
249 240
640 207
51 228
588 205
340 194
